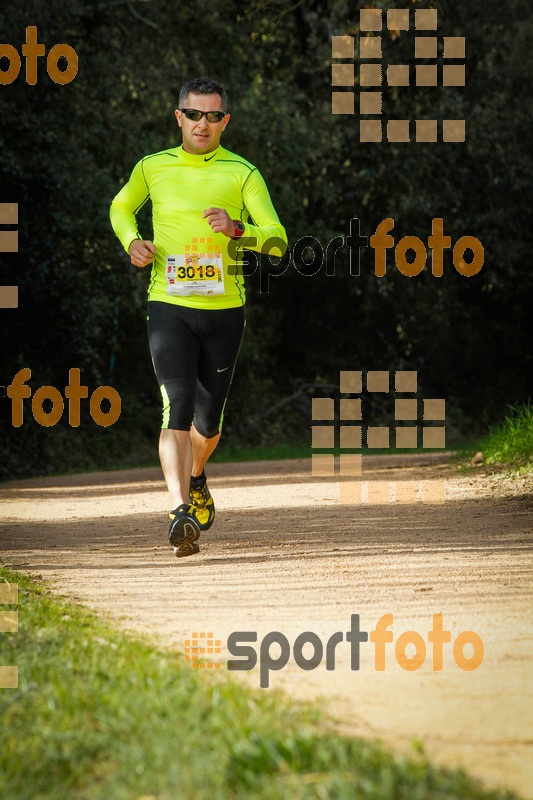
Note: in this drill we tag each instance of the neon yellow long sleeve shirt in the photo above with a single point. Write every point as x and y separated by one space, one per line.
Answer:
181 186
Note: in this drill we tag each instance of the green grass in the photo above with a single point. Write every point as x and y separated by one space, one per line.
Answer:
100 715
226 454
231 454
509 443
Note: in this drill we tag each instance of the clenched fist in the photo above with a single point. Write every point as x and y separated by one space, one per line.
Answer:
142 252
220 221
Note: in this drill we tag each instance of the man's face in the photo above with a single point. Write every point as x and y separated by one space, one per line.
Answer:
202 136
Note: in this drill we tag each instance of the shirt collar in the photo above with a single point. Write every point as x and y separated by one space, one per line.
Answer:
198 159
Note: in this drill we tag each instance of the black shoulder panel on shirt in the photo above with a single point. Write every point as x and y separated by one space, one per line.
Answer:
147 158
236 161
161 153
144 176
228 155
141 205
248 176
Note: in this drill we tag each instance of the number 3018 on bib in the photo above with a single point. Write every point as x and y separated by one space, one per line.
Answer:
194 274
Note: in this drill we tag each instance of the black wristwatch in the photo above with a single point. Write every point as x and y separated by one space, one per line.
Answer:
238 229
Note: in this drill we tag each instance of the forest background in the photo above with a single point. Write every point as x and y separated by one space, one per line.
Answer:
66 150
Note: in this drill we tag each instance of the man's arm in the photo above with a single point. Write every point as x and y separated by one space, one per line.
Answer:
265 226
267 231
124 208
142 252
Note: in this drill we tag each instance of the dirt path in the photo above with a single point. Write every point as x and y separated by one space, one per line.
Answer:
285 555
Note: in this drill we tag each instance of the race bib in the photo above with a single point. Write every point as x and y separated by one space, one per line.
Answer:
195 273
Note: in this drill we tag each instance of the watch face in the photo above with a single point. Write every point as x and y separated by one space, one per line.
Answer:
240 227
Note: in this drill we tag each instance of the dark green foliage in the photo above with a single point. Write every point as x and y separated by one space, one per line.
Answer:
511 442
65 151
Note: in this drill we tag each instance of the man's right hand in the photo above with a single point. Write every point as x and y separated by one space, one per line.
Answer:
142 252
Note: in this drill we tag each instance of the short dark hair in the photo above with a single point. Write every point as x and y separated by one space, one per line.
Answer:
203 85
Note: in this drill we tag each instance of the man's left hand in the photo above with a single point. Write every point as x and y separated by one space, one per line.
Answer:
220 221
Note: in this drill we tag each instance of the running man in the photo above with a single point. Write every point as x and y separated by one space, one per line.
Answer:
202 197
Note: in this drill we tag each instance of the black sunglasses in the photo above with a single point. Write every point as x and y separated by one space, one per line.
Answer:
196 116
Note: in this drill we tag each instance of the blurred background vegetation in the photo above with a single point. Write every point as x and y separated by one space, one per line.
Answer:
66 150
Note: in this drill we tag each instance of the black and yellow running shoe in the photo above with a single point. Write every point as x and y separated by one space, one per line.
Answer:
184 531
202 503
